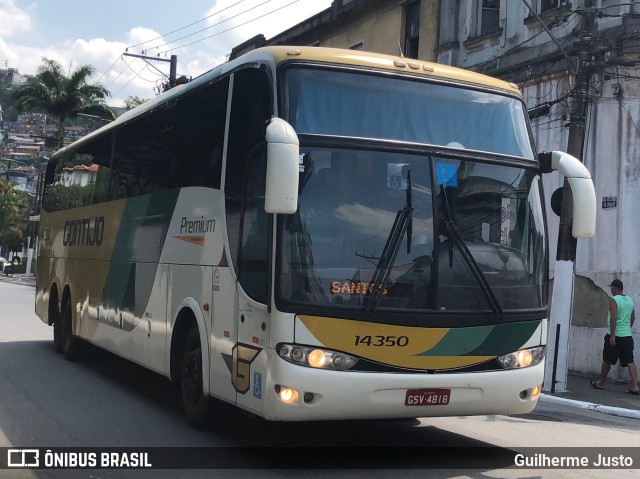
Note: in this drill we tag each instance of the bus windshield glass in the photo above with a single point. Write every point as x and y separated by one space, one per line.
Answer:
330 102
475 232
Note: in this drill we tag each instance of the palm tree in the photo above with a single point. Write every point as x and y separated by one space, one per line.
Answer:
63 96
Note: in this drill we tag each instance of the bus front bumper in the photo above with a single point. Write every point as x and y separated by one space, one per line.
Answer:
331 395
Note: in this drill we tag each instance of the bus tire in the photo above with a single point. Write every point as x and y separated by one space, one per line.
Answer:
71 345
196 406
56 318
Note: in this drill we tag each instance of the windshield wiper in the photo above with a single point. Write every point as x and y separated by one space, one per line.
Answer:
456 237
401 225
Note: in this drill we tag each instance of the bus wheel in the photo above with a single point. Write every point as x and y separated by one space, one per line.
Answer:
197 407
70 344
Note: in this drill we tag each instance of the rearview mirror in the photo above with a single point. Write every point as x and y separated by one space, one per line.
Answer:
582 190
283 152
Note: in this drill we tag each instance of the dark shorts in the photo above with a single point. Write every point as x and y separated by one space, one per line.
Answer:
623 350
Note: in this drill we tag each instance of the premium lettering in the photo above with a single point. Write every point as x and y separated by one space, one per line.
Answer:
84 232
197 226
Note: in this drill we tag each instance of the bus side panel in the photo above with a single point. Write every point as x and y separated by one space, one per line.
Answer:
224 334
134 328
86 233
194 251
251 361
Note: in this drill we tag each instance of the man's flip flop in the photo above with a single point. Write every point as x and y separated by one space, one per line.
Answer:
594 385
635 393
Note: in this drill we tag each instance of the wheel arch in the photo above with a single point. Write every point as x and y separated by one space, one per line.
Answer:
189 315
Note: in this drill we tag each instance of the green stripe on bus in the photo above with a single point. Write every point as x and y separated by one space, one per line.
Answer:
137 250
506 338
492 340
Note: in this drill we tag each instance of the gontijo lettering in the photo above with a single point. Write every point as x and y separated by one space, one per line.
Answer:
197 226
84 232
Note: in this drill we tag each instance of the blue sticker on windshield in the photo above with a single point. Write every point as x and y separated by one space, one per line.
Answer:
446 174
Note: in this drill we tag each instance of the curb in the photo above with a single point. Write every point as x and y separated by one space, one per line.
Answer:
612 411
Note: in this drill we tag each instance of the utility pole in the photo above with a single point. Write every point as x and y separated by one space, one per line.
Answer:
563 286
172 68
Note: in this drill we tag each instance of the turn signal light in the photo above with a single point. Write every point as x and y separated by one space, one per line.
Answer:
536 392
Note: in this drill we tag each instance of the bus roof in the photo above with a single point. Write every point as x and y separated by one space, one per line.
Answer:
386 62
281 54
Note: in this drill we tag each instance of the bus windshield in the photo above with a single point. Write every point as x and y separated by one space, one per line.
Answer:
348 203
330 102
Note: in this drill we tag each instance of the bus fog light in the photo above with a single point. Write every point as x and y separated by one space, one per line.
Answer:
523 358
287 395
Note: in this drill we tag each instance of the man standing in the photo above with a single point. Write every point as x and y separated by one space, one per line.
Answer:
618 343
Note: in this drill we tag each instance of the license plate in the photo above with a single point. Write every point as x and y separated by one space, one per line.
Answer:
427 397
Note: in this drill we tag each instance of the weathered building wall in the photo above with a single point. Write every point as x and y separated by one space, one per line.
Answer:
372 25
377 31
612 156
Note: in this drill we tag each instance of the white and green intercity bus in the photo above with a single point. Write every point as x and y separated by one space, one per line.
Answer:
313 234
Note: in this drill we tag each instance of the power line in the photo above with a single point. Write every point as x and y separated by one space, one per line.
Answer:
186 26
210 26
232 28
138 74
127 84
119 75
107 70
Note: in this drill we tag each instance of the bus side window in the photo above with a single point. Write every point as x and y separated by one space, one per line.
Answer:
247 222
199 127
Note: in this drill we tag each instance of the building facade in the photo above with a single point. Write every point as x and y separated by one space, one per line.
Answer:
404 28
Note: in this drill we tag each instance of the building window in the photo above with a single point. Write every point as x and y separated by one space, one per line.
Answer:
489 16
551 4
412 30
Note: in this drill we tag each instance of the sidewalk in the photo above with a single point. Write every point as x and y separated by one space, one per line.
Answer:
612 400
29 280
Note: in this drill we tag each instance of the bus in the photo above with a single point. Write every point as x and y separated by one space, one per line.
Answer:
312 234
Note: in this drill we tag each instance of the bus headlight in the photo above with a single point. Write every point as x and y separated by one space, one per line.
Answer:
523 358
318 358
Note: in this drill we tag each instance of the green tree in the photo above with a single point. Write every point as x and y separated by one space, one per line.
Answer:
11 204
63 96
133 101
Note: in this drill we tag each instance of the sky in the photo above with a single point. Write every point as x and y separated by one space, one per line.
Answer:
97 33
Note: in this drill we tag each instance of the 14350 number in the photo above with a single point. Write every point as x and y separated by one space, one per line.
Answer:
382 341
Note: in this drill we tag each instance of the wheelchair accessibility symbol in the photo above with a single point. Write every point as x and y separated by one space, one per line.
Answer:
257 385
